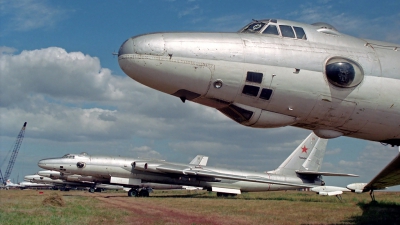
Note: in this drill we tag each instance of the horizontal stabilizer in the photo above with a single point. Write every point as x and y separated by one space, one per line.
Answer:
326 173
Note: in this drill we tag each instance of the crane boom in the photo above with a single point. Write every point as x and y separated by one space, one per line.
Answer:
14 154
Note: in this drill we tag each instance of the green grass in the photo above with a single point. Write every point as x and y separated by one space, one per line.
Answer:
196 207
26 207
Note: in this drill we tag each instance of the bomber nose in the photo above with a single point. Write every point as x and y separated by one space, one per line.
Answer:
149 44
43 164
126 47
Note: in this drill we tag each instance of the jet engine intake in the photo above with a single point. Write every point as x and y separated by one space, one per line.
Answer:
139 165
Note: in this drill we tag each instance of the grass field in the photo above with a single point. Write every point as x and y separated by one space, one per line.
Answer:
195 207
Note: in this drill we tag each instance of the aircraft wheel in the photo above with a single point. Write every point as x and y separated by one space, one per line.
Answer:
132 193
91 190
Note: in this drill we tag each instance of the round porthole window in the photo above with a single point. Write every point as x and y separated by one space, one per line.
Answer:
218 84
343 72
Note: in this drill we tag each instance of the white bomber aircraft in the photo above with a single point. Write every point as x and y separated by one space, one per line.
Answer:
299 170
275 73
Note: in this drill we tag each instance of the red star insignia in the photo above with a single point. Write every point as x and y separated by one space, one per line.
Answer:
304 149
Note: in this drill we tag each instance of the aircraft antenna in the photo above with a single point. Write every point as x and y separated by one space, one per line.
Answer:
14 154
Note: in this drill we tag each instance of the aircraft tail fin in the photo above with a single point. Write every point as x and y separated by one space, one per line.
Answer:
199 160
307 156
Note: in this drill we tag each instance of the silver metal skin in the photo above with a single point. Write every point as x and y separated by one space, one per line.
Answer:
298 74
299 170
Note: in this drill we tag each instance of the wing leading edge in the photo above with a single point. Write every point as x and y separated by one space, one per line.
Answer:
212 174
389 176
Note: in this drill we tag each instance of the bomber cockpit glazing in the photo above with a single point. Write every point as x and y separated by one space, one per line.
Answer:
74 156
271 27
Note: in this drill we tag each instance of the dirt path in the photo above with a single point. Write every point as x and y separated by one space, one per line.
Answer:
145 211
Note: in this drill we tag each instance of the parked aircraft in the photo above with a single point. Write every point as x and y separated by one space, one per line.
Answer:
98 183
299 170
65 185
11 185
274 73
25 184
28 184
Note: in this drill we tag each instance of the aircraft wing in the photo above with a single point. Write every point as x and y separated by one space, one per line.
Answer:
389 176
213 174
326 173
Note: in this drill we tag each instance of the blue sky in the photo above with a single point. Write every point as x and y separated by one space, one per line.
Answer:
58 74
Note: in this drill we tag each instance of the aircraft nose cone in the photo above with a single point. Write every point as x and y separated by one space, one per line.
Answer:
41 163
163 62
126 47
44 164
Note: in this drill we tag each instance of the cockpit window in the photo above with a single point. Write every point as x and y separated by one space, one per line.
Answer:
300 33
254 27
271 29
68 156
287 31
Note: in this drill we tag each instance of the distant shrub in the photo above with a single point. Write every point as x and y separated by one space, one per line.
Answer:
54 200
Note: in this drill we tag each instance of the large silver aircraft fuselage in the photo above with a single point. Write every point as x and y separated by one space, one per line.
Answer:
118 167
263 80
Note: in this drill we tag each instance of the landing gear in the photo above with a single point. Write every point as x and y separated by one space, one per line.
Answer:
138 193
371 193
64 189
133 193
221 194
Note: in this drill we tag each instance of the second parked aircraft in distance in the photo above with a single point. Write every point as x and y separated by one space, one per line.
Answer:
299 170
